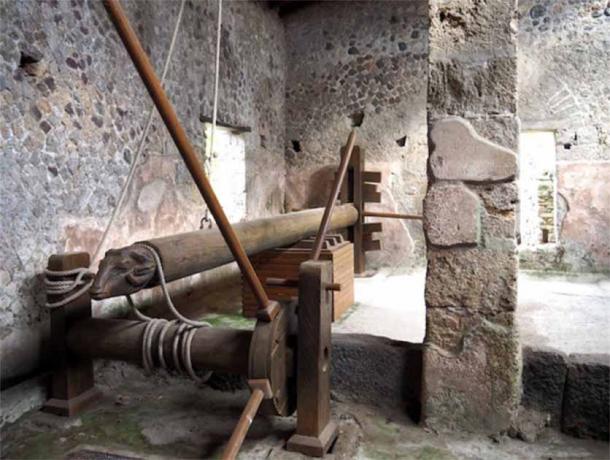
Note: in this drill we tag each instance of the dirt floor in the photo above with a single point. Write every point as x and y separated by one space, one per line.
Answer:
174 419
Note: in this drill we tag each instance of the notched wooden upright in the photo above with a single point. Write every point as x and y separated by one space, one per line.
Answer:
315 430
72 385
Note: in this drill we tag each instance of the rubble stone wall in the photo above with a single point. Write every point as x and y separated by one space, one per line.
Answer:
471 368
563 87
72 111
363 65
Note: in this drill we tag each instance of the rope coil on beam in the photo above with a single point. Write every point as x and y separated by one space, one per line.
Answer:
83 278
183 337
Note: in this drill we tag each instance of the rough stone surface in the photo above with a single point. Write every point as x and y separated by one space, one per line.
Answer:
586 406
528 424
72 112
471 371
376 370
452 215
459 153
472 356
544 375
482 280
350 64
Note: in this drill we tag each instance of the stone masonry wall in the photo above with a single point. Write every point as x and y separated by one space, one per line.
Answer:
72 110
564 87
471 377
360 63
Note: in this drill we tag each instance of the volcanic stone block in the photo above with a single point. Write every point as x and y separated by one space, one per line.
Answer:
543 377
465 27
376 370
499 197
479 279
459 153
466 87
473 386
452 215
586 403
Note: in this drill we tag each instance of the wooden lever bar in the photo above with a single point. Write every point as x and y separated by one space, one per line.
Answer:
261 389
392 215
332 199
284 282
152 83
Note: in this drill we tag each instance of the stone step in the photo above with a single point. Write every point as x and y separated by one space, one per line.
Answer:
574 390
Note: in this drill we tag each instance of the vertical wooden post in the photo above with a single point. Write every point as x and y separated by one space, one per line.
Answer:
352 192
72 385
315 430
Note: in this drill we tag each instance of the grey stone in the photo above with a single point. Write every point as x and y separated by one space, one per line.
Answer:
544 375
376 370
451 215
586 399
459 153
528 424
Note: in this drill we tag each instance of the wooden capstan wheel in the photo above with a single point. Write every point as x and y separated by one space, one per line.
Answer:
271 358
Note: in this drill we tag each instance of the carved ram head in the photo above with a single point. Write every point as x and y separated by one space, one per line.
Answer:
123 271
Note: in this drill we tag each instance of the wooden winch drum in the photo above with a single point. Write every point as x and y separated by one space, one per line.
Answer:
259 354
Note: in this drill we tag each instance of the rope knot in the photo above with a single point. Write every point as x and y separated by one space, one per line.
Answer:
62 282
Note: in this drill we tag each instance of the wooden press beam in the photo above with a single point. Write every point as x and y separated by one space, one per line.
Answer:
186 254
190 157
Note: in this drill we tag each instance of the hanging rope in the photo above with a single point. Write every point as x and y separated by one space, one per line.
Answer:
210 146
140 148
216 76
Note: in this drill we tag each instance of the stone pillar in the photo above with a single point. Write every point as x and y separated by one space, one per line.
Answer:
472 363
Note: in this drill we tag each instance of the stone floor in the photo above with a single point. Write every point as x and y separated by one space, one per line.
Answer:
175 419
569 312
388 305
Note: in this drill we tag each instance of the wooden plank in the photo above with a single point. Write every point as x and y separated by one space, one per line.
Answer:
372 176
315 430
355 176
372 227
370 193
372 245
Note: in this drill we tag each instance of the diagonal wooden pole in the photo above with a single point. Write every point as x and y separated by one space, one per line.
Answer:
267 309
334 194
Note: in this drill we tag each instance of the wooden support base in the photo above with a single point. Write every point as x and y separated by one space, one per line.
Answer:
314 446
72 385
73 406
